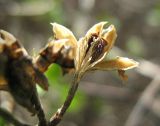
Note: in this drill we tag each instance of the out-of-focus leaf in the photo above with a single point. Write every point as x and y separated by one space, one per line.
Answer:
54 73
78 102
57 12
98 104
153 17
136 46
2 122
27 8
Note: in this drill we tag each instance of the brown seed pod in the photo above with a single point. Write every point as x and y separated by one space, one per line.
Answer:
19 73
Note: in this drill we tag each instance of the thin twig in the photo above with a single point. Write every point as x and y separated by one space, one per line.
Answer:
57 117
40 112
144 104
9 118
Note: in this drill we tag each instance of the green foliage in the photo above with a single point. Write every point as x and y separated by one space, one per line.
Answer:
153 17
78 102
54 73
57 12
2 122
97 104
136 46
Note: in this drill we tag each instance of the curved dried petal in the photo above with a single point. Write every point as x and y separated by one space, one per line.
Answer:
80 52
68 50
7 37
49 54
58 44
96 29
16 50
109 35
62 32
1 41
120 63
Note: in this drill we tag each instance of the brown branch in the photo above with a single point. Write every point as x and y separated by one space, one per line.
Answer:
40 112
57 117
9 118
144 104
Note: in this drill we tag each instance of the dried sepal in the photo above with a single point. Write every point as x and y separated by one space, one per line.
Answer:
16 50
80 53
119 63
56 51
7 37
109 35
1 41
49 54
61 32
96 29
56 45
11 46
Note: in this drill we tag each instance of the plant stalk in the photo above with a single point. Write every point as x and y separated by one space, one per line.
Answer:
40 113
57 117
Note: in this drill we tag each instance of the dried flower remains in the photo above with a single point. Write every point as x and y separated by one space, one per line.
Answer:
89 52
18 73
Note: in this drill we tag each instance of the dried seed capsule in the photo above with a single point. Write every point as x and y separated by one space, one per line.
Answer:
21 84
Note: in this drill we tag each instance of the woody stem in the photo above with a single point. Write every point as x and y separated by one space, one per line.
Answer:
38 107
57 117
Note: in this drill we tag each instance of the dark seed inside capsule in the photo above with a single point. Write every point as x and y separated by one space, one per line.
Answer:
90 40
98 49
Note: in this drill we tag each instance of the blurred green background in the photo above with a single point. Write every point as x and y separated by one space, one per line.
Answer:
102 99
